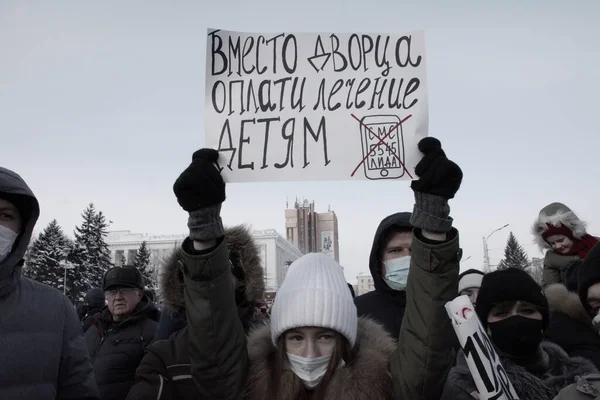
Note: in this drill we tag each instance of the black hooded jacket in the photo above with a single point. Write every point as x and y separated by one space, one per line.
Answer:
43 352
384 304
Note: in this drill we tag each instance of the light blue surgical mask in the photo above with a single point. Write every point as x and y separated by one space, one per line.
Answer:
396 272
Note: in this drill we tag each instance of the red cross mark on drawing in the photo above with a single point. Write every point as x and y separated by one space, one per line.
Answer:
381 141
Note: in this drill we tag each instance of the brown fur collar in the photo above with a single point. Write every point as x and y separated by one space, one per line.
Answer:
563 301
243 253
366 377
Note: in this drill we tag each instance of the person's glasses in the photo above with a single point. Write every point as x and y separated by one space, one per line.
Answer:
113 292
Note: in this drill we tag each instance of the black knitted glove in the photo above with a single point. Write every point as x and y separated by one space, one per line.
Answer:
200 190
439 180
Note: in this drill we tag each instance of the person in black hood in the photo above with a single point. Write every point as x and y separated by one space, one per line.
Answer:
43 353
389 263
94 302
120 334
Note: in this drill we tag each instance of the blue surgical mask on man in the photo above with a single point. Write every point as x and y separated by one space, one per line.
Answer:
396 272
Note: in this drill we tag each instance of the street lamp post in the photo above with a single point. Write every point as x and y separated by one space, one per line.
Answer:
66 265
486 252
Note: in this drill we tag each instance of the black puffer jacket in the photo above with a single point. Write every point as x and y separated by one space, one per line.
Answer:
384 304
42 351
117 349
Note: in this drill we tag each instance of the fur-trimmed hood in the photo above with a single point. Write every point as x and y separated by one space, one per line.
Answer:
557 214
568 303
366 377
562 372
243 254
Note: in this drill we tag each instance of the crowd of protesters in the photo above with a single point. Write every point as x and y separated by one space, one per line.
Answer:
215 337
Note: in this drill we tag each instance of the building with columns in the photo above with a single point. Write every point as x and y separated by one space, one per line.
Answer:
276 252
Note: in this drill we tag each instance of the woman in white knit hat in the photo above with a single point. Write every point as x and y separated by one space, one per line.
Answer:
316 347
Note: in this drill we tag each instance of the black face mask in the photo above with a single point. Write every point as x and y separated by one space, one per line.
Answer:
517 336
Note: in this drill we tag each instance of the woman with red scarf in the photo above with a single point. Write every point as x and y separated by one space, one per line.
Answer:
558 230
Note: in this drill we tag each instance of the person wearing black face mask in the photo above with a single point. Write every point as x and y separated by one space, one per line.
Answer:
514 311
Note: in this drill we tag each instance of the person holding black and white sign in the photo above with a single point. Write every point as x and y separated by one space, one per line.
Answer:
316 346
514 311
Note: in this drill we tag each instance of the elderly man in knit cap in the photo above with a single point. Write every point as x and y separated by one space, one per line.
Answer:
469 283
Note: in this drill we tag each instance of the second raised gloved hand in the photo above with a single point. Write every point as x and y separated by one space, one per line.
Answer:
439 180
437 174
201 184
200 190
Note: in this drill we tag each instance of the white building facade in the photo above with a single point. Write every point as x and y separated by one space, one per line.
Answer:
123 246
276 252
365 284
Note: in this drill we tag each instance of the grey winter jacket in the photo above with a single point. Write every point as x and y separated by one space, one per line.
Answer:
42 350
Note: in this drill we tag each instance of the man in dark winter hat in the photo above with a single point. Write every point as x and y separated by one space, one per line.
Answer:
120 334
469 283
514 311
43 352
389 263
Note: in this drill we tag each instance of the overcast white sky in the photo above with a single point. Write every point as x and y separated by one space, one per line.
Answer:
103 102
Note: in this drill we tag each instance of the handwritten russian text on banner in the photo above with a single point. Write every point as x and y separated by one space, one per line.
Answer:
315 106
488 373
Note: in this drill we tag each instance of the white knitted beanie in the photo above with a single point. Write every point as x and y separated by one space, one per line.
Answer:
314 293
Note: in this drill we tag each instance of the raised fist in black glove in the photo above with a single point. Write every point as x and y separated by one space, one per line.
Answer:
437 175
439 180
201 184
200 190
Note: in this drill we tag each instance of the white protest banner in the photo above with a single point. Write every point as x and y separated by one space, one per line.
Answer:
488 373
315 106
